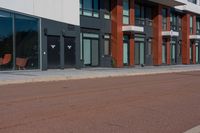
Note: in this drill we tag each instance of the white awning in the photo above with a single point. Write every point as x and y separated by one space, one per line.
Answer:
170 3
170 33
132 28
194 37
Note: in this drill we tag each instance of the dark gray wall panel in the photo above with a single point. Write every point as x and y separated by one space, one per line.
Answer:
50 27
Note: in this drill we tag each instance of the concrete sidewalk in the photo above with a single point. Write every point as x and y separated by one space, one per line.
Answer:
15 77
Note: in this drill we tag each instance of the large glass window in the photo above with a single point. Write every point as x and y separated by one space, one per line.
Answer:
164 19
89 8
6 41
22 52
191 24
179 22
173 21
126 13
107 4
148 15
27 50
137 11
143 15
198 26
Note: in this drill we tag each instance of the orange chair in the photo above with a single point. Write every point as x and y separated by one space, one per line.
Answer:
6 59
21 62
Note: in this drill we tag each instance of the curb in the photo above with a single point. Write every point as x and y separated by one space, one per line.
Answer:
92 76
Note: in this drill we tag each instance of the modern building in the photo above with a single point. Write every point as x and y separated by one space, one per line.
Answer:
60 34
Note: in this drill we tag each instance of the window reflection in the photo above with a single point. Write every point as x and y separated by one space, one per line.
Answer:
25 48
6 41
26 42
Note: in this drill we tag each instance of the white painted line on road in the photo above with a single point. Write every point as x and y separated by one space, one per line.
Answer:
194 130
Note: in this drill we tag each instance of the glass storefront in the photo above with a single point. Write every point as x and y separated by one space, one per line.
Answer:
6 41
19 42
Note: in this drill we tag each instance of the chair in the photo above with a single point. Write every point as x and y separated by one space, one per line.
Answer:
21 63
6 59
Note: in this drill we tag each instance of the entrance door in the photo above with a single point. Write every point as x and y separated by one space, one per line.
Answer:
95 52
197 54
53 44
179 50
191 54
164 54
91 52
125 53
139 53
173 53
142 53
69 52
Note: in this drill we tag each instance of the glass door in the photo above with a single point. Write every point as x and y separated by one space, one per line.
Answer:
125 53
95 52
173 53
191 54
139 53
197 54
164 54
142 53
87 51
179 52
91 52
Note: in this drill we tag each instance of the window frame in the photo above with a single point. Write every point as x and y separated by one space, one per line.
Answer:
124 17
191 24
94 12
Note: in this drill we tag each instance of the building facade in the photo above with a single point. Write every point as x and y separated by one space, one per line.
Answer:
98 33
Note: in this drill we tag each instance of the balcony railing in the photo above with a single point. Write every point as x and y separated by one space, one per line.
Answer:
143 22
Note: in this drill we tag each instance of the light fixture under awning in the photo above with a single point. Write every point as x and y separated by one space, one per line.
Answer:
170 3
194 37
131 28
170 33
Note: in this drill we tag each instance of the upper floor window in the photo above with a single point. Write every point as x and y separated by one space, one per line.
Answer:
126 13
107 6
193 1
179 22
143 15
191 24
198 26
173 21
89 8
164 19
139 14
